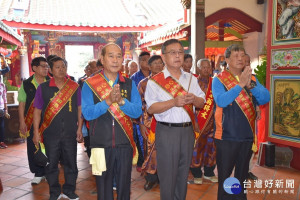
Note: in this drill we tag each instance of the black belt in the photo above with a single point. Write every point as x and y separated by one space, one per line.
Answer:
185 124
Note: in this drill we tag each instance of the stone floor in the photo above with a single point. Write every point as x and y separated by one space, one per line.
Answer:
16 177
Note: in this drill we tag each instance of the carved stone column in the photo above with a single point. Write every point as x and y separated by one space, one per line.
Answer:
24 68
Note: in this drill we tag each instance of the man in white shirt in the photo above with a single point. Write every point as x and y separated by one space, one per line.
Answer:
171 96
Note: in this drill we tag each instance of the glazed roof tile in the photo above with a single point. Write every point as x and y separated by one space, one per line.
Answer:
93 13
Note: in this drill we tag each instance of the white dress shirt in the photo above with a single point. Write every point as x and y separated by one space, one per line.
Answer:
154 93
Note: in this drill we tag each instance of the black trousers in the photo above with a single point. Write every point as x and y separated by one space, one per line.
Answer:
174 155
232 154
65 147
208 171
86 141
38 171
118 165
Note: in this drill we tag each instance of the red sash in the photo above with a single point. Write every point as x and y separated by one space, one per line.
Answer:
58 101
206 112
102 89
151 134
29 118
174 88
243 100
125 75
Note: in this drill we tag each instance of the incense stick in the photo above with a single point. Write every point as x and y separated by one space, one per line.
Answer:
190 83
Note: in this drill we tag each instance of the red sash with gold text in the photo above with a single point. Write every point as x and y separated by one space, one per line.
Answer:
101 88
29 118
58 101
172 87
206 112
243 100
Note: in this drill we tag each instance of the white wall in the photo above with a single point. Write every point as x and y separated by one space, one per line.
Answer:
253 42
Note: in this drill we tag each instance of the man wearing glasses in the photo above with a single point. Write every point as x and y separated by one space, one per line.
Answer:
171 96
26 96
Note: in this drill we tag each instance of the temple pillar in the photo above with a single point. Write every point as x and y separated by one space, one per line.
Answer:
24 68
198 29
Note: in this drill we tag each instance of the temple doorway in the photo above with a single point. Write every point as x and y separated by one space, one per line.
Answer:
77 57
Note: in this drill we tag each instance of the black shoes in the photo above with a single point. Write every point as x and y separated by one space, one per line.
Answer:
252 176
149 185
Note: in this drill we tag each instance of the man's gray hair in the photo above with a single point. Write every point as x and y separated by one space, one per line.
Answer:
233 47
132 61
200 62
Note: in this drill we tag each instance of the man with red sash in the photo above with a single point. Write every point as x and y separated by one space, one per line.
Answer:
57 123
258 117
137 77
109 101
156 65
26 95
204 154
234 113
171 96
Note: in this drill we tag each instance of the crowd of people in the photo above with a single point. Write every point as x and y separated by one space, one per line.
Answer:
175 121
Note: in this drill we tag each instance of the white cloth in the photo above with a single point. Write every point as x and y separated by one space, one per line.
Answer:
154 93
97 161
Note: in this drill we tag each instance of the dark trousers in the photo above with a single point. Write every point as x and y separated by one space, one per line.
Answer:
118 165
138 145
174 154
208 171
1 129
64 147
86 140
232 154
38 171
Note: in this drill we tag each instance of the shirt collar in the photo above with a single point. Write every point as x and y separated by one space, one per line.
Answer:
119 77
52 82
167 73
140 73
34 82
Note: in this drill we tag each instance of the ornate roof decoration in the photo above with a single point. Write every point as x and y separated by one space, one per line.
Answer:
164 31
9 31
186 4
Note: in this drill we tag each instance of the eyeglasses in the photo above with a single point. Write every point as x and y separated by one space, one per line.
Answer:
175 53
157 63
44 66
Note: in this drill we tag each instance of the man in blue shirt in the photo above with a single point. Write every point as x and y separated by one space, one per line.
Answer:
137 77
144 68
109 101
235 92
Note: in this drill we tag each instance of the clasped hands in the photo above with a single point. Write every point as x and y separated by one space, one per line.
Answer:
182 100
245 78
114 96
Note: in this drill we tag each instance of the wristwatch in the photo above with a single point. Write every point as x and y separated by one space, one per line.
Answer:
252 84
122 103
